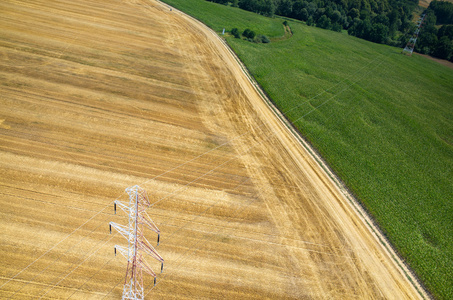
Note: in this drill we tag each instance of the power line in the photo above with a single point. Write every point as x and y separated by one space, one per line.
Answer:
81 262
152 179
89 279
180 165
52 262
54 246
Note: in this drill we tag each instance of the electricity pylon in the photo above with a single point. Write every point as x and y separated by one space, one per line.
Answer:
411 44
137 243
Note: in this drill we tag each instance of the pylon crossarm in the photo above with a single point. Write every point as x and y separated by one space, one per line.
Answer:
123 206
124 231
137 192
146 268
133 190
144 201
148 249
146 220
124 251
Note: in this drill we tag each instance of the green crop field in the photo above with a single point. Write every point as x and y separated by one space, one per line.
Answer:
383 122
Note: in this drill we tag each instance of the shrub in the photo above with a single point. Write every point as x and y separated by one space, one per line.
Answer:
235 33
264 39
249 34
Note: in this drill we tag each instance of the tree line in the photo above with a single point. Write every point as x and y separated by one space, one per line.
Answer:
381 21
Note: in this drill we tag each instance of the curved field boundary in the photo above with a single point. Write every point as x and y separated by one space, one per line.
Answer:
354 203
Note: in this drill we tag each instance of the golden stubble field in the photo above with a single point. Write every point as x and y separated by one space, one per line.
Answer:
97 96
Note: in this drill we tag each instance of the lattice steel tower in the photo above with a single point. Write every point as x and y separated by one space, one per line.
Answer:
137 243
411 44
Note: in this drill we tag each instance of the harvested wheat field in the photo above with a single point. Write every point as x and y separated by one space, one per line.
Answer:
97 96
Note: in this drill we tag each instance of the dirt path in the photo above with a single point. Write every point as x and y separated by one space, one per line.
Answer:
440 61
98 97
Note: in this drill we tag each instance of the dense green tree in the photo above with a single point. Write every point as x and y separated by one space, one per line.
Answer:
250 5
364 14
443 48
354 29
354 13
324 22
393 17
379 33
426 43
361 28
336 27
382 19
445 30
430 17
268 7
312 8
336 16
443 11
264 7
225 2
319 13
284 8
394 22
297 7
357 4
348 23
407 26
304 14
430 29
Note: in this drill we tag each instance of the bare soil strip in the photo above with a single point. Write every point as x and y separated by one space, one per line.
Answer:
440 61
99 96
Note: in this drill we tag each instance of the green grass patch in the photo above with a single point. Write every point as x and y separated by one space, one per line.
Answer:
383 122
228 17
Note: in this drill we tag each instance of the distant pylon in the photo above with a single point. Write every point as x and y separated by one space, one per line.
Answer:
411 44
137 243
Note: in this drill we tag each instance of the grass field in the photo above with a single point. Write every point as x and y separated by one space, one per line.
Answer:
383 122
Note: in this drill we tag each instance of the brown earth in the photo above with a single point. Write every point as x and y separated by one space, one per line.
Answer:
438 60
425 3
100 95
